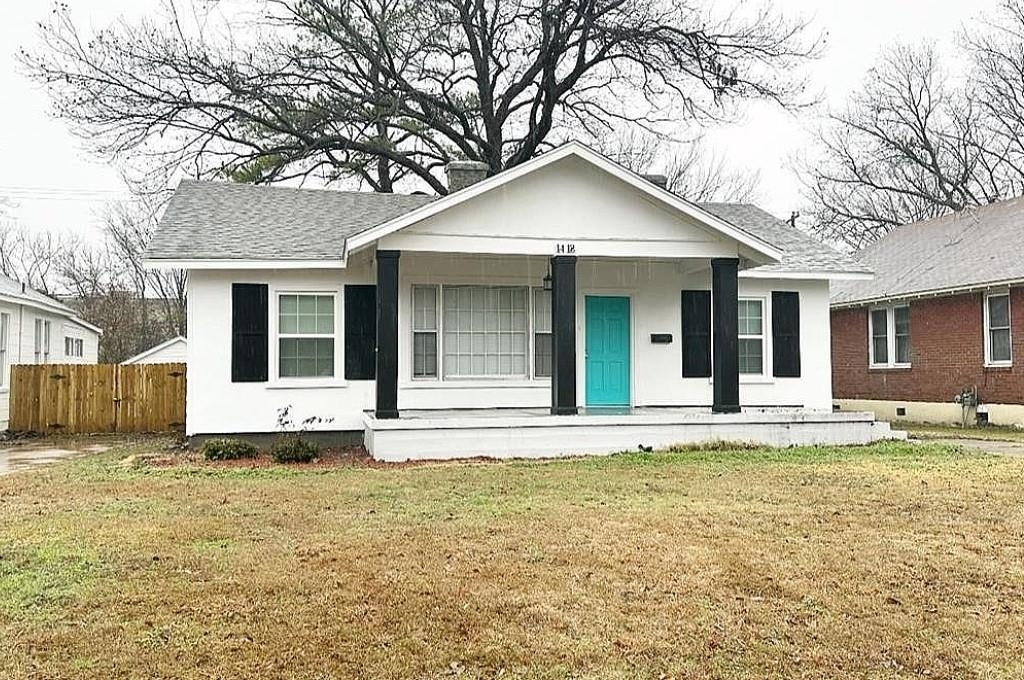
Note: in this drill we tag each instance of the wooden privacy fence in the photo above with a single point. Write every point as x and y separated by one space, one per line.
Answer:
84 398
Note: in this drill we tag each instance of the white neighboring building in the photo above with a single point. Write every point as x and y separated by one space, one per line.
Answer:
171 351
560 307
36 329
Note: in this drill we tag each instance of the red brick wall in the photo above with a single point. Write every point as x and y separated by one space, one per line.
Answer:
947 354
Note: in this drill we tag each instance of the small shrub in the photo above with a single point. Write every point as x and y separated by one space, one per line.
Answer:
292 449
228 449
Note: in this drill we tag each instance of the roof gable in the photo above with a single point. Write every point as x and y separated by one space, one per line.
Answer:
757 246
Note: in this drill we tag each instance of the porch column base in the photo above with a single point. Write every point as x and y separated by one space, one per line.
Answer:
564 411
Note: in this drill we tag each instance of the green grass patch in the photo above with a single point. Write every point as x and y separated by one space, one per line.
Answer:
35 581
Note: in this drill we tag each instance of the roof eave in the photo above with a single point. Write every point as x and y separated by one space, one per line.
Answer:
935 292
212 263
807 275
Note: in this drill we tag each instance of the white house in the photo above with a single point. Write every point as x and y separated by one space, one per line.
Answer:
36 329
564 306
173 351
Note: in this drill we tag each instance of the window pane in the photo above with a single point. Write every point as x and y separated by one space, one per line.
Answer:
542 310
880 350
485 330
424 355
306 357
999 311
750 356
901 320
902 349
542 355
750 317
424 306
1000 344
879 323
306 314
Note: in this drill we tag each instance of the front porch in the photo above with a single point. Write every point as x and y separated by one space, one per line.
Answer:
536 433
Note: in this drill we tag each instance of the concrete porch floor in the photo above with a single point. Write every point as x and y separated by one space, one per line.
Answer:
534 433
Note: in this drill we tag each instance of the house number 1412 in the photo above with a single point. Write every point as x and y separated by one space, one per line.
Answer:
565 248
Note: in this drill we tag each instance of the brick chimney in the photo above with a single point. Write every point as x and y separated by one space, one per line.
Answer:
462 174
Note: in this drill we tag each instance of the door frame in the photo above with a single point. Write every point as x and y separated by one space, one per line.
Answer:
581 339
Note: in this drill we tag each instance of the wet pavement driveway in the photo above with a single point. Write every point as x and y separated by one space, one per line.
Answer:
27 455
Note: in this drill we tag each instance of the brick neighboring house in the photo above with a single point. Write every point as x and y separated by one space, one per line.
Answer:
944 314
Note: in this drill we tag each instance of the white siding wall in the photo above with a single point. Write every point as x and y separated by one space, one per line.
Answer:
215 405
21 345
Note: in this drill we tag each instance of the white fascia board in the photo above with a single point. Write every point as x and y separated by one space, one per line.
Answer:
663 196
39 304
806 275
65 312
151 263
85 324
935 292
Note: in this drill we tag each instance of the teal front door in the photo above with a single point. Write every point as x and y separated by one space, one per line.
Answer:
607 351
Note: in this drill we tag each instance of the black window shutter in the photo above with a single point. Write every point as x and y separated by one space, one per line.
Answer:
696 334
249 317
360 332
786 334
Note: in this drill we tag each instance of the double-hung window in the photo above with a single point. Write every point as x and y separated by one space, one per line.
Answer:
751 336
424 331
42 341
485 331
73 347
306 334
889 330
998 350
541 333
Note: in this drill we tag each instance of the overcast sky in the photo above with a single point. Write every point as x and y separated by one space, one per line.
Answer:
53 184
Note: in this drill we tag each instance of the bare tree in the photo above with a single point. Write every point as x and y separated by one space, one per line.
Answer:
690 169
32 257
387 91
916 143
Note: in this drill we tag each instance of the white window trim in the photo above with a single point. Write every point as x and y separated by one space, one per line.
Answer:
528 380
273 353
989 363
890 337
763 337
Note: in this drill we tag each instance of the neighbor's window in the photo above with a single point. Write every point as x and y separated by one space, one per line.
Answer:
485 331
73 347
42 341
751 336
306 335
5 329
541 333
997 329
424 331
890 337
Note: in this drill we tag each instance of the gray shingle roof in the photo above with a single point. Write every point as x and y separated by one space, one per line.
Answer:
226 221
802 252
14 289
975 247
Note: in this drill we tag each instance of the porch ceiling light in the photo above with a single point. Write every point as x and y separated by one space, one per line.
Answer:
547 281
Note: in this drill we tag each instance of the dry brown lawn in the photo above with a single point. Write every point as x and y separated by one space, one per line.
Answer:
887 561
